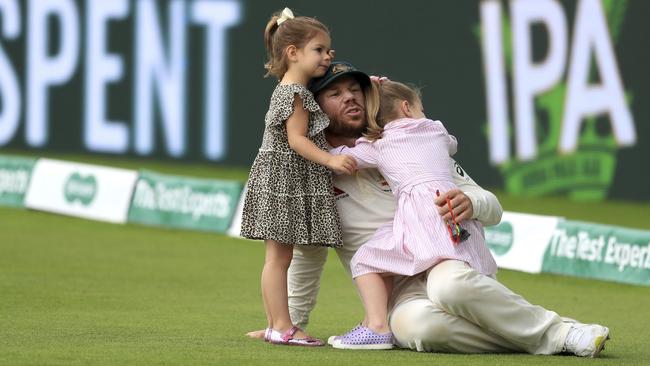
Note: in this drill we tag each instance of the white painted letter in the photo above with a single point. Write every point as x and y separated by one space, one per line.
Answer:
44 70
9 88
160 71
584 100
532 79
495 81
102 68
216 16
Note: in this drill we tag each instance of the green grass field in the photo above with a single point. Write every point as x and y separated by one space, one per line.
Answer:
79 292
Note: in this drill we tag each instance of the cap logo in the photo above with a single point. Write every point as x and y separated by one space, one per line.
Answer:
338 68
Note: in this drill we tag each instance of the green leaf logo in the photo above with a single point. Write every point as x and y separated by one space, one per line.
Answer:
79 188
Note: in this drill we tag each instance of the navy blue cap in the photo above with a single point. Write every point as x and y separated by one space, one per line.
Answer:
336 70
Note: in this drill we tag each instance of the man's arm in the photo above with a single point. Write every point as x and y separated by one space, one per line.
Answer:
469 201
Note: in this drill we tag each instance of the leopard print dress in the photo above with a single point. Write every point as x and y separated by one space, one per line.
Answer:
290 199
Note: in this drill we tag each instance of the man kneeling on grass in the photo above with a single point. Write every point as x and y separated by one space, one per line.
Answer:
452 308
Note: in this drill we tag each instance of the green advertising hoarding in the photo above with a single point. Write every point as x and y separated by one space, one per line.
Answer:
15 173
183 202
577 81
545 96
599 251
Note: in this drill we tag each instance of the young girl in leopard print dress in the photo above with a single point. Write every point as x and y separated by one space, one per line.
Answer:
289 199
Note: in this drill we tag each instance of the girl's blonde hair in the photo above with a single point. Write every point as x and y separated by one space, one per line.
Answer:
293 31
382 105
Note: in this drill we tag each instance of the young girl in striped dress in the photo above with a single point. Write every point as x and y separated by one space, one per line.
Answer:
412 153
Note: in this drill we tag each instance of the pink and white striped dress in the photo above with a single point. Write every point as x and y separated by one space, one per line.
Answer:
413 156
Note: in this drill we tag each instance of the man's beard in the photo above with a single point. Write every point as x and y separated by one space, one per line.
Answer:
341 129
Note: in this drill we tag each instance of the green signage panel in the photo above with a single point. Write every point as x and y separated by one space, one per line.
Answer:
181 202
599 251
15 173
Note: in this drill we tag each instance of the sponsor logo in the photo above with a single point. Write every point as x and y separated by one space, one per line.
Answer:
339 68
13 181
158 59
499 238
181 199
570 112
80 188
459 170
589 246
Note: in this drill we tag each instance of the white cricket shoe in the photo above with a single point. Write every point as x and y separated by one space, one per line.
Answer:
586 340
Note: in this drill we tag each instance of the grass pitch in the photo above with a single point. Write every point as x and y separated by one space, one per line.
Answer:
79 292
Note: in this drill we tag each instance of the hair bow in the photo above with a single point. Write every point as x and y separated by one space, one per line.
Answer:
286 14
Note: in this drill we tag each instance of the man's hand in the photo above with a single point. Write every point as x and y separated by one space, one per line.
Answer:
342 164
460 203
259 334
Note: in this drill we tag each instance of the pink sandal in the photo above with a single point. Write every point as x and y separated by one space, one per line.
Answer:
287 339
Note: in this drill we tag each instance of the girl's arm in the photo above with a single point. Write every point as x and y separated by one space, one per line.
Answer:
364 153
297 129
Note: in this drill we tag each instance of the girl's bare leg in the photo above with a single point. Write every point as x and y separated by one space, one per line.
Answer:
274 286
374 293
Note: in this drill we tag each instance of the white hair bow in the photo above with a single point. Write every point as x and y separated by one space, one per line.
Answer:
286 14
